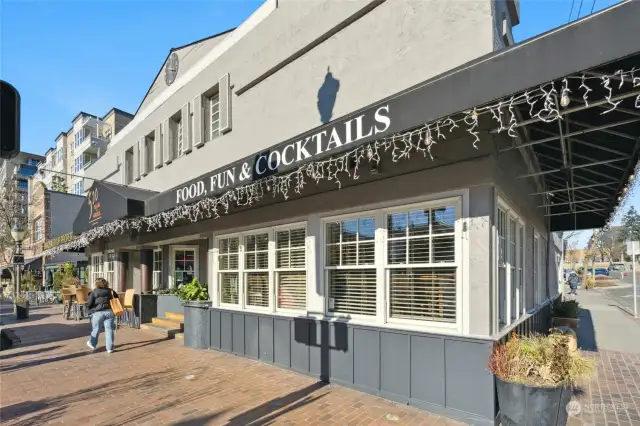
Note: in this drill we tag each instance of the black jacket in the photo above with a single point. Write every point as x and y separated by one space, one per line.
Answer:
99 299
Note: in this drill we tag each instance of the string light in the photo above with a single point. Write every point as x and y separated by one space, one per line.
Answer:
400 146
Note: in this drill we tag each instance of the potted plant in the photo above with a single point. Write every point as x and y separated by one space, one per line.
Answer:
195 300
22 306
565 313
535 377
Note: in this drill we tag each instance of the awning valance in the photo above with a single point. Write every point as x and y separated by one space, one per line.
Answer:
106 202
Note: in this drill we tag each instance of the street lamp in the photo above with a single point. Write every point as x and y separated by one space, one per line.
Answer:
18 236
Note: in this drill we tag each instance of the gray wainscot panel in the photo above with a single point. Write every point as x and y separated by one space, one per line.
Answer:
169 303
443 374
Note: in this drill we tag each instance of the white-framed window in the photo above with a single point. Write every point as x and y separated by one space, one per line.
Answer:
510 259
97 265
78 187
110 268
157 269
290 269
422 264
60 155
263 269
229 270
78 138
39 229
184 265
256 270
350 270
214 118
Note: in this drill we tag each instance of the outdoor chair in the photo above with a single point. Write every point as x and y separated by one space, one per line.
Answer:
80 306
68 295
129 318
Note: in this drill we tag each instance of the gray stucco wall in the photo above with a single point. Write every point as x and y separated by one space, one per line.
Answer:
64 209
378 55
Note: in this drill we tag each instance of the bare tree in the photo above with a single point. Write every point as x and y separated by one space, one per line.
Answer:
14 209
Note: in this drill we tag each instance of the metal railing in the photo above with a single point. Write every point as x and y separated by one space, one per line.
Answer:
44 297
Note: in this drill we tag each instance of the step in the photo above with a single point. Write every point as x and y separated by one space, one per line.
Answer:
179 336
174 316
172 324
161 331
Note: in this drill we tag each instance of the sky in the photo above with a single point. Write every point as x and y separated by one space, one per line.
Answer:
67 56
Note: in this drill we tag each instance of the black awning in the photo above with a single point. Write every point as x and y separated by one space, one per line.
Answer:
587 44
106 202
34 263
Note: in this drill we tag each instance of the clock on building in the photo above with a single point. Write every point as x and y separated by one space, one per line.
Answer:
171 69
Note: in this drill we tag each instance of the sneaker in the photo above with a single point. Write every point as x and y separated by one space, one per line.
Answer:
93 348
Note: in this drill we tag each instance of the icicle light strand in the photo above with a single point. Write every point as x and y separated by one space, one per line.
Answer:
335 168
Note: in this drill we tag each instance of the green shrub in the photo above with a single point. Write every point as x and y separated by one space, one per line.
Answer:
193 291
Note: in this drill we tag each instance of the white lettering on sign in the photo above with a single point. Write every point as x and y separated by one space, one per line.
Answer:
322 142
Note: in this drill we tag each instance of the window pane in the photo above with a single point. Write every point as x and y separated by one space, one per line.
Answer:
396 225
419 250
298 237
423 294
229 287
366 229
444 249
292 290
443 220
233 261
349 254
282 259
397 251
366 253
257 288
298 259
349 230
419 222
282 239
333 233
262 260
333 255
353 291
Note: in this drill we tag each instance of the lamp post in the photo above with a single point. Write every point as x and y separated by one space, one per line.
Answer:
18 236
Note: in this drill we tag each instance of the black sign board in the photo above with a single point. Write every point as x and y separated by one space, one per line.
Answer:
334 138
106 202
18 259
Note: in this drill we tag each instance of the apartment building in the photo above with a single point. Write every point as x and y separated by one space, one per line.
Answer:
79 147
366 186
15 177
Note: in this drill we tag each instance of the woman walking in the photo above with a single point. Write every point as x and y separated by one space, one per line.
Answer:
101 314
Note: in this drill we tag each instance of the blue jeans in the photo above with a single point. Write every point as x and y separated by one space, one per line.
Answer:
98 319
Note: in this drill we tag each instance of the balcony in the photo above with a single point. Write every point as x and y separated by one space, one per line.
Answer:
92 138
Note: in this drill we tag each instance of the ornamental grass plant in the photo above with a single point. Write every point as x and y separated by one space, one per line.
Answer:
539 361
565 308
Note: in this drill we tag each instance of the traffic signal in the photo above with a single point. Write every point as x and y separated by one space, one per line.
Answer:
9 121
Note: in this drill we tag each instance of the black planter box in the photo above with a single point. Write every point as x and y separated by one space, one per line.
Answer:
522 405
22 310
197 325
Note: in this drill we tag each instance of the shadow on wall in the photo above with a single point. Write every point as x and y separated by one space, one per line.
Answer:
324 335
327 95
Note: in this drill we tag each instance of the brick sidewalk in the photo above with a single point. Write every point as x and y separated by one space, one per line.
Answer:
153 382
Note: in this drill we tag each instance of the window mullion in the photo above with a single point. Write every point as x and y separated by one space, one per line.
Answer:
380 235
241 268
271 264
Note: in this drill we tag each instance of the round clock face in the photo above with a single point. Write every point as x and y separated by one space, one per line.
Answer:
171 70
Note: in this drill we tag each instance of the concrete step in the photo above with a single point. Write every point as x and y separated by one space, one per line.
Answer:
161 331
169 323
179 336
174 316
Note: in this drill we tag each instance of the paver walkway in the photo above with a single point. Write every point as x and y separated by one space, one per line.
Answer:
52 378
612 339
